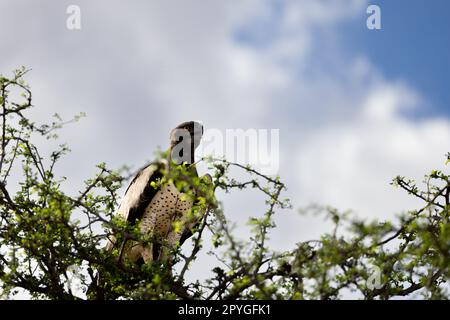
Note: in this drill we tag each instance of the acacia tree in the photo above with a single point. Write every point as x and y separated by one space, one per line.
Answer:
47 235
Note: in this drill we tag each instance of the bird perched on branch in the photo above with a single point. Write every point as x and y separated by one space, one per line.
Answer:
155 203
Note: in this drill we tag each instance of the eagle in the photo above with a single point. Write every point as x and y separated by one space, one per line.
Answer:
153 202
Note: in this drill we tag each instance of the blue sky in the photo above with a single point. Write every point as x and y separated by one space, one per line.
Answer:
414 44
310 68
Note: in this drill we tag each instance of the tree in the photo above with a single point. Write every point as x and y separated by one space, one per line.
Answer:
47 235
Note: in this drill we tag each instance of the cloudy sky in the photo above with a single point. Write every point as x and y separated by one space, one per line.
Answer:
355 107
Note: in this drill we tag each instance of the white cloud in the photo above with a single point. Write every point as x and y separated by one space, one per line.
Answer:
139 68
350 164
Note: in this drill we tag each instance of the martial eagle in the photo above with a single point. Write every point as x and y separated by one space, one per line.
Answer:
158 207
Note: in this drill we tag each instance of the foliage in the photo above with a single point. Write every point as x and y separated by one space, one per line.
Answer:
50 239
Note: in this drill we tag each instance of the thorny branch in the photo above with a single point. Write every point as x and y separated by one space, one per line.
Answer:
45 233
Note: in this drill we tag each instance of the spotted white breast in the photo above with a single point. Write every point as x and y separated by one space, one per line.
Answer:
167 206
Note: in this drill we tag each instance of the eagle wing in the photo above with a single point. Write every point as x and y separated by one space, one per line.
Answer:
140 192
138 195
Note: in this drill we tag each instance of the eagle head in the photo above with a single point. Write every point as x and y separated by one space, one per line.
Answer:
185 138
